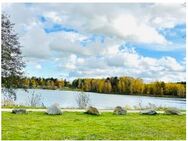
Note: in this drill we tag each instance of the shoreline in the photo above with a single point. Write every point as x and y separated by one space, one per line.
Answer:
79 110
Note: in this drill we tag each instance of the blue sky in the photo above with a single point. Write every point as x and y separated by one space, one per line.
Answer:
100 40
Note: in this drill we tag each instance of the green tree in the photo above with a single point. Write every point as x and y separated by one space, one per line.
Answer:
12 63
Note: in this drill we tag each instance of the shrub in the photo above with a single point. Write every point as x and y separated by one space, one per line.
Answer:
34 100
82 100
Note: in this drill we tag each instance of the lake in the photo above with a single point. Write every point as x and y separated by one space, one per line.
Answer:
67 99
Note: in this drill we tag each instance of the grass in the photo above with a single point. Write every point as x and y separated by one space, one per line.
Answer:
22 106
79 126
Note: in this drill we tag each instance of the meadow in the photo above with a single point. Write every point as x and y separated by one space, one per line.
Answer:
80 126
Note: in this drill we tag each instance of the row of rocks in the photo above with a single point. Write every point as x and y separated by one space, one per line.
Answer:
56 110
170 111
120 111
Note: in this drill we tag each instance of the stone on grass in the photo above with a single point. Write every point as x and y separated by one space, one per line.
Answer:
148 112
19 111
172 111
92 111
119 111
54 110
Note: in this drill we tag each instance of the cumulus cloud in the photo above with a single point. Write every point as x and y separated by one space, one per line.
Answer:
125 63
38 66
129 21
93 48
35 43
109 19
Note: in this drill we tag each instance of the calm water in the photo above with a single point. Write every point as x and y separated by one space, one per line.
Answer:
67 99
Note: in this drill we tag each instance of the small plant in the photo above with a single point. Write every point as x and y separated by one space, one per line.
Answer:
34 100
151 106
82 100
8 99
140 107
128 107
7 102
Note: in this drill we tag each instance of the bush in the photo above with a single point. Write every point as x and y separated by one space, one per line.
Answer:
82 100
8 102
34 100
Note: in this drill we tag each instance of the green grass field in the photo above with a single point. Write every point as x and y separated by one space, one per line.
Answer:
79 126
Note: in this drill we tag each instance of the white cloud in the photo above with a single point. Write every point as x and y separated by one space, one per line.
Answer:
63 42
38 66
126 63
165 15
54 17
127 21
128 28
119 23
35 43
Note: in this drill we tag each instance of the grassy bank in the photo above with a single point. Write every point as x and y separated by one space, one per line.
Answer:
21 106
73 125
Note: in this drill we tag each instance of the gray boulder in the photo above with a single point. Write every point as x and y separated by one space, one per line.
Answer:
119 111
172 111
54 110
148 112
19 111
92 111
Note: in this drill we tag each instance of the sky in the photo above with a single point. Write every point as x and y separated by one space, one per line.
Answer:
99 40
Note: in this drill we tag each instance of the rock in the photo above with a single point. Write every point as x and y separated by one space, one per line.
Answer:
92 111
54 110
119 111
19 111
148 112
172 111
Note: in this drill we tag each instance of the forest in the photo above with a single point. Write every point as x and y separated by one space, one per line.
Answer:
111 85
130 86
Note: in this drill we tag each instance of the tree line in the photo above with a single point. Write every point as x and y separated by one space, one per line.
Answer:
43 83
111 85
130 86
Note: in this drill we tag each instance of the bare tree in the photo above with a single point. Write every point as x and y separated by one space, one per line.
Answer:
34 100
82 100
